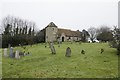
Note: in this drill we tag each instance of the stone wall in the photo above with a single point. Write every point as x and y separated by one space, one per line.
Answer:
51 34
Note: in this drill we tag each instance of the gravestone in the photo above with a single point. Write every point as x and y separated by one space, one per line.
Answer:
59 42
68 52
17 56
11 52
5 52
82 52
102 50
52 48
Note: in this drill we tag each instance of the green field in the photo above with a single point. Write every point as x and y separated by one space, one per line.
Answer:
42 64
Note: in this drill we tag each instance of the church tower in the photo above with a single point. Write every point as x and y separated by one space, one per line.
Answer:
51 32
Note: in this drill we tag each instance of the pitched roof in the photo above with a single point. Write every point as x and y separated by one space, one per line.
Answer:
51 24
69 33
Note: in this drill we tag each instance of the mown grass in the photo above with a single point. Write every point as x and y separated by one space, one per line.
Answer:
42 64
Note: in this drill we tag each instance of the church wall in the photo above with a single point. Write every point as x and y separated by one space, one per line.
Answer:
51 34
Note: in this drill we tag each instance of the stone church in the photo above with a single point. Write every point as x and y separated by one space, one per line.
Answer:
53 33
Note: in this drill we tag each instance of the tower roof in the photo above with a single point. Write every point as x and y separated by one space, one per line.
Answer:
51 24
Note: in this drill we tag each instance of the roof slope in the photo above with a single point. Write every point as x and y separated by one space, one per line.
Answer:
51 24
69 33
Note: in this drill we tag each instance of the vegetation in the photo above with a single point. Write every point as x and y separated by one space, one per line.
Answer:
93 33
104 34
42 64
116 40
17 31
88 60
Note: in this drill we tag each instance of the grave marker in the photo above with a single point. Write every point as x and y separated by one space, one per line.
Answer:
17 56
11 52
82 52
58 43
68 52
52 48
5 52
102 50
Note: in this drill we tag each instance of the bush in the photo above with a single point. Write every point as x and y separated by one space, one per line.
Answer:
113 44
118 48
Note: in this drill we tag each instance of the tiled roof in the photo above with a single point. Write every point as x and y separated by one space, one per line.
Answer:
69 33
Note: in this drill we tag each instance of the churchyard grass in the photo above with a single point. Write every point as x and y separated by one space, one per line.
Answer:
42 64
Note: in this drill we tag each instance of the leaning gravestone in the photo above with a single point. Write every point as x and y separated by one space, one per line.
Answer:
102 50
68 52
5 52
17 56
52 48
11 52
59 42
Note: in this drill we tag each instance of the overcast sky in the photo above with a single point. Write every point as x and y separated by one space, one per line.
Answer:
68 14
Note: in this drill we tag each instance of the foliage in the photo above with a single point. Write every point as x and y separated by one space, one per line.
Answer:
118 48
17 31
40 36
116 35
104 34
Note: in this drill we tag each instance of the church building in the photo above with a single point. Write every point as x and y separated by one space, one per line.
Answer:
53 33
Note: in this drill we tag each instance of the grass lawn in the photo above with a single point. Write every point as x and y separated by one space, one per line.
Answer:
42 64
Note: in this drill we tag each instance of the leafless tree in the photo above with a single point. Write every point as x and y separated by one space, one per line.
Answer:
18 30
93 33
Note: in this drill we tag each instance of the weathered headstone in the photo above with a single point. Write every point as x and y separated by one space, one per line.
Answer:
102 50
58 42
17 56
82 52
11 52
52 48
5 52
68 52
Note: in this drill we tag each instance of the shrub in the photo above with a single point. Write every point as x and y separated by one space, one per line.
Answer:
118 48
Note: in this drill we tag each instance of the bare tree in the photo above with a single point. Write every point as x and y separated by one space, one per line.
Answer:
93 33
16 30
